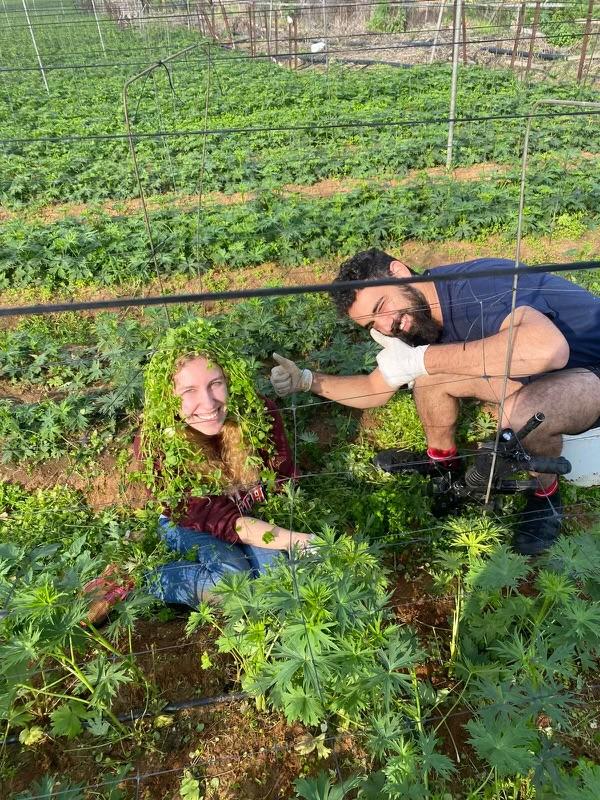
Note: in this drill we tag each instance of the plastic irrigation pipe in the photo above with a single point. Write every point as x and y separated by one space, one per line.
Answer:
170 708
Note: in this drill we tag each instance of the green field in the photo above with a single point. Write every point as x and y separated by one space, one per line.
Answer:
413 655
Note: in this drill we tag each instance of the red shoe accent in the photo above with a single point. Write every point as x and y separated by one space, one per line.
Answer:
552 489
442 455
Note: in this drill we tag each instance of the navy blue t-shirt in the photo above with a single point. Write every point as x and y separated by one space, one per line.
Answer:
475 308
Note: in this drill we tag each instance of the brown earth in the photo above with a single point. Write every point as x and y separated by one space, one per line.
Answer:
238 751
101 483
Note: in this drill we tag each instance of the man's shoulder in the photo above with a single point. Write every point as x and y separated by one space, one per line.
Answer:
476 265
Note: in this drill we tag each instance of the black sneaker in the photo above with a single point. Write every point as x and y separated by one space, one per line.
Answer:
397 461
540 525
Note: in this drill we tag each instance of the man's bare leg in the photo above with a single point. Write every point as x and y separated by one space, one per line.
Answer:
437 398
570 401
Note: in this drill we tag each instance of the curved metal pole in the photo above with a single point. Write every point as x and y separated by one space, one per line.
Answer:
131 139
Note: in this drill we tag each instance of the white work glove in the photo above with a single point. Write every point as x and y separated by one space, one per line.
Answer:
398 362
287 378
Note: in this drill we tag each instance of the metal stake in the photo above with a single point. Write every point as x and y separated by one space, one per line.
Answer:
457 13
35 47
98 26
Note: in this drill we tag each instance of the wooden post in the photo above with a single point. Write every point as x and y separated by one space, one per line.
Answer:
290 35
227 25
534 28
520 18
586 36
276 32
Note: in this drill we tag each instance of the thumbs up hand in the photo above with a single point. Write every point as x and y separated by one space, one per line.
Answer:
398 362
287 378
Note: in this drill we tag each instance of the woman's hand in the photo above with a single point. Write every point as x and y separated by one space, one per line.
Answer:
257 533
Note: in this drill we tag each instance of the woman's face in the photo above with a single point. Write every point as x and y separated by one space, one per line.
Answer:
202 388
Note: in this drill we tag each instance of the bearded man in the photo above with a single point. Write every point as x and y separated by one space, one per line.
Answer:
449 340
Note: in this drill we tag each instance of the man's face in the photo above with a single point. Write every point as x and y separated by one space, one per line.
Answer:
202 388
400 311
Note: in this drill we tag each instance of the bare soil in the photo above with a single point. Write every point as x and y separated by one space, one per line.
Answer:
245 753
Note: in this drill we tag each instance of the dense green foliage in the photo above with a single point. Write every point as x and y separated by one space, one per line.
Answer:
506 658
111 250
322 110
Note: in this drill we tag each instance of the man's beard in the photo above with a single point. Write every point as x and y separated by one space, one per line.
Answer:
424 329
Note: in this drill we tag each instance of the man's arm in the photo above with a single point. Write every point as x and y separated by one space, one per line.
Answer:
538 346
357 391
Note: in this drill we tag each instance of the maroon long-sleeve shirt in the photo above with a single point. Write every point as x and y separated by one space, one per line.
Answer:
218 514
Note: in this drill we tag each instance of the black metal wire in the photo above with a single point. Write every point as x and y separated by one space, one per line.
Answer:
352 125
281 291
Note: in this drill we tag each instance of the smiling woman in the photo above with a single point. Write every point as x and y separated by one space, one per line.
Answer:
210 448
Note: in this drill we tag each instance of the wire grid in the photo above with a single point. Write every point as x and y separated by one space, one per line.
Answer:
138 778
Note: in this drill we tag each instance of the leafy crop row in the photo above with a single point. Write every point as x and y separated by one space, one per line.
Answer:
244 94
108 251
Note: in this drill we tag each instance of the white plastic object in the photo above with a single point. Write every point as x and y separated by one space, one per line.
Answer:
583 451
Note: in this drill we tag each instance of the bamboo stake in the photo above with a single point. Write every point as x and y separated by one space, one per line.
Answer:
520 18
586 36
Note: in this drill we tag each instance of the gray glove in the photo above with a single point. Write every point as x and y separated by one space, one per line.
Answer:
287 378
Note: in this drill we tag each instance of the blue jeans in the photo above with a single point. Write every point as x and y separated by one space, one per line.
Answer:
188 582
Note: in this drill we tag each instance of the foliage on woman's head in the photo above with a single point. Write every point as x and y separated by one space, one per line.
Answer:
172 464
